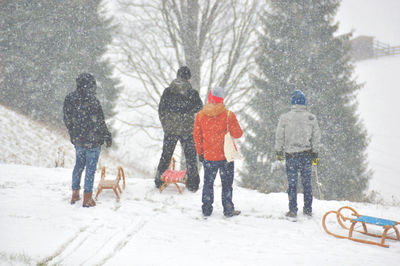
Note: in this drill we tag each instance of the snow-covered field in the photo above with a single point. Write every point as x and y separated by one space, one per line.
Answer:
151 228
379 108
39 226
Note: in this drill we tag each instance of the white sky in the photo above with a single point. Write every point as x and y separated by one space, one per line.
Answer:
379 18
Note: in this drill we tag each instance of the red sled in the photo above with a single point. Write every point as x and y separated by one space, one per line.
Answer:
172 176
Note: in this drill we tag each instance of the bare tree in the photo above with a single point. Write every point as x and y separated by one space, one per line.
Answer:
214 38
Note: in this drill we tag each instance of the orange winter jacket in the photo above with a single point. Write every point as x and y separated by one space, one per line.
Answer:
210 128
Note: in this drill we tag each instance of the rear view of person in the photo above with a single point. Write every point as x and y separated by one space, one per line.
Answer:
178 105
84 119
210 127
298 139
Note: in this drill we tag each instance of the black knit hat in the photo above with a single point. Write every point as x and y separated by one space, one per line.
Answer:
184 73
86 82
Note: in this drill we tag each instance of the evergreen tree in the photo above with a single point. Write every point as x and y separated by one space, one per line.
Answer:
298 49
44 47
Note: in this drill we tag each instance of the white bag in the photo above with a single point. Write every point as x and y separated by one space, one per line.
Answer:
230 150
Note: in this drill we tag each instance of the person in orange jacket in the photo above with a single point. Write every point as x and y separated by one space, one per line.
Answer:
210 127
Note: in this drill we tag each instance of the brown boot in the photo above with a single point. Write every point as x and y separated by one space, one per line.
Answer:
87 200
75 196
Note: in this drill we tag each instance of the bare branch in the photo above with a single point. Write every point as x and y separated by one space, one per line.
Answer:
214 38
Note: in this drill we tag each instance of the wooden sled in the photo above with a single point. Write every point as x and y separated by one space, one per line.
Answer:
172 176
362 221
111 184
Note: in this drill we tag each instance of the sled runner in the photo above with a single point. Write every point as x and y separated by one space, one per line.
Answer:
362 221
111 184
172 176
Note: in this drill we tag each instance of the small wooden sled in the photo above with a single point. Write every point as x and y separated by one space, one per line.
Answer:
111 184
172 176
362 220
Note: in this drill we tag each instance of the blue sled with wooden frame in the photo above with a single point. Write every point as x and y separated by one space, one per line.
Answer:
350 224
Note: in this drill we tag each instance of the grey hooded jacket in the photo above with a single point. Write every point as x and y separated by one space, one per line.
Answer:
297 131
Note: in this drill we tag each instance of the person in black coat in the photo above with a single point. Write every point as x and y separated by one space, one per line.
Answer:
84 119
177 108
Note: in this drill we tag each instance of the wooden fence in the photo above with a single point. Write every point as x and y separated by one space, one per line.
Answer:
383 49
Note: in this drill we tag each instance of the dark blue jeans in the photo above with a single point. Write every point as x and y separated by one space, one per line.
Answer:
85 158
294 165
226 171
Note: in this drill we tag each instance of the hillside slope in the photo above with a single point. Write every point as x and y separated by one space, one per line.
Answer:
27 142
24 141
379 109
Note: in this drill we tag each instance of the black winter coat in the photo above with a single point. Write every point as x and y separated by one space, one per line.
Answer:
84 119
178 105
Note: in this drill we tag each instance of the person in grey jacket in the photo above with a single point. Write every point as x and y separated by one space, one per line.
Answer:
298 140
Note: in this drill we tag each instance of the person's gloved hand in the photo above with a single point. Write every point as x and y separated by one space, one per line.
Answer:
201 158
108 143
280 156
314 158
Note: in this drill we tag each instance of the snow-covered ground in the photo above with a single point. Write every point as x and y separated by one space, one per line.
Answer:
151 228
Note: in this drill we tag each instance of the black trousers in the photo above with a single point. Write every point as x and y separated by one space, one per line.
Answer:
189 149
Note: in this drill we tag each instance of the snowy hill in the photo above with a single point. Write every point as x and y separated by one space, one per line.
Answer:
151 228
379 108
24 141
27 142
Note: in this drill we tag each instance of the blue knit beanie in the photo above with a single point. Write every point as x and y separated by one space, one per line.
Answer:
298 97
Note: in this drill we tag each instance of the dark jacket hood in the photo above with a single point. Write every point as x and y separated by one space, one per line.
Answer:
86 84
180 86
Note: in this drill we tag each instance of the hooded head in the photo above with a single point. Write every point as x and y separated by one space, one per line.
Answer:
85 83
216 95
298 97
184 73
